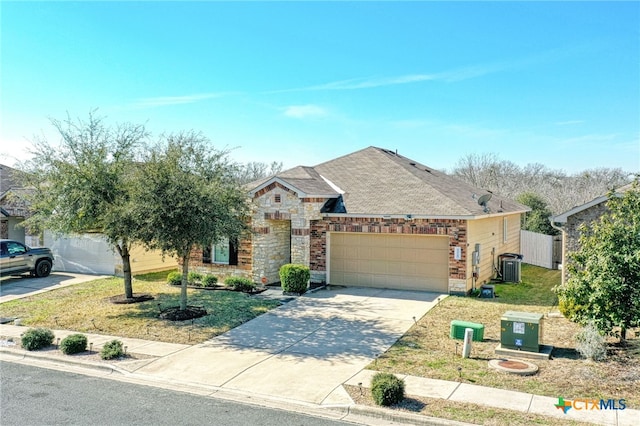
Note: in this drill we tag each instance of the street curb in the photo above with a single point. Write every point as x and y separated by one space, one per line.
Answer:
401 417
23 354
354 413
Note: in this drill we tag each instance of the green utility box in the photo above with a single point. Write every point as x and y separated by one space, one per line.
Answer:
458 327
521 331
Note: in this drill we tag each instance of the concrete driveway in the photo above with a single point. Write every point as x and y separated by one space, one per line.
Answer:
303 350
25 285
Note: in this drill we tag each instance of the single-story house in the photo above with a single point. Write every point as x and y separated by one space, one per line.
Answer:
570 221
371 218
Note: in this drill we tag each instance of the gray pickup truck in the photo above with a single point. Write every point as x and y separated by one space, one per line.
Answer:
17 258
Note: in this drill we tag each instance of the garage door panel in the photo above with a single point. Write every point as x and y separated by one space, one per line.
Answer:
389 260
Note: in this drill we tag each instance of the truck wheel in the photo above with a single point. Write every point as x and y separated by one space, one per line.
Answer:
43 268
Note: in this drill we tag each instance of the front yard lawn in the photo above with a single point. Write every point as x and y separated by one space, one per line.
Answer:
427 350
86 308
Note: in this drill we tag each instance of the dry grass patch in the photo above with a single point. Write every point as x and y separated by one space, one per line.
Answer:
87 308
428 351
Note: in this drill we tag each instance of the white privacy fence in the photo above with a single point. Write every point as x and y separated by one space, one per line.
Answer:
541 250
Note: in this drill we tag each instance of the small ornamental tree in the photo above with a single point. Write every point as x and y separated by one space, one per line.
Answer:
603 287
188 196
83 183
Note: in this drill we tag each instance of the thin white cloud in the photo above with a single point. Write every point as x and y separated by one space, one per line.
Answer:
449 76
304 111
175 100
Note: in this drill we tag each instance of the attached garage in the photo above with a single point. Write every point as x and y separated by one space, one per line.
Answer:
399 261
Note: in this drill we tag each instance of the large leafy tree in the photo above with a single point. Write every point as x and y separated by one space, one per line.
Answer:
83 183
604 273
537 220
189 196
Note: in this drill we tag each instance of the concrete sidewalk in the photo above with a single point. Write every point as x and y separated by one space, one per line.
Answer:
415 386
302 352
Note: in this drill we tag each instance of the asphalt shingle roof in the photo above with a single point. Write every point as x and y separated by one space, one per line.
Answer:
380 182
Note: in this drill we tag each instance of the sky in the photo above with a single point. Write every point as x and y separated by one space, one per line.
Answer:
556 83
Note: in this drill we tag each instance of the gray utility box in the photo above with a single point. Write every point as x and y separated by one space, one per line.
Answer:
521 331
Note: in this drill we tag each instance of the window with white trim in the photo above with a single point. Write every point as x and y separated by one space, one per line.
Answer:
224 252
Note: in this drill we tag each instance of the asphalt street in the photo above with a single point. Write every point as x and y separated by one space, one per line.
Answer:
36 396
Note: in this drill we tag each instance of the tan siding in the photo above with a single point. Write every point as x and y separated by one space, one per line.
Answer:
489 233
147 261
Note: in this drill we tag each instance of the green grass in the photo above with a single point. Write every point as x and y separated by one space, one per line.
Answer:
86 308
426 350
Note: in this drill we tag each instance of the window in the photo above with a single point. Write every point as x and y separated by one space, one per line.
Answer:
276 198
505 229
224 252
14 248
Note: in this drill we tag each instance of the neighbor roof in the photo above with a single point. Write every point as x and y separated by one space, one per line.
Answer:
377 181
563 217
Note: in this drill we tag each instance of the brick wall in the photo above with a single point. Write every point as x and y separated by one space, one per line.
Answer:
571 235
455 229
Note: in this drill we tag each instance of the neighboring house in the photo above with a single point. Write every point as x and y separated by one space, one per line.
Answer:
570 221
371 218
87 253
13 208
90 253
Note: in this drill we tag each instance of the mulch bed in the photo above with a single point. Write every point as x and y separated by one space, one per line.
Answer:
174 313
257 290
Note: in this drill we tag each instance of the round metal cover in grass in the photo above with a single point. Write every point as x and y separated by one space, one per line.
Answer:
512 366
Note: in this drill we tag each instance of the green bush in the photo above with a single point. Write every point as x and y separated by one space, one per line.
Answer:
174 278
387 389
73 344
112 349
294 278
194 278
209 280
240 284
37 338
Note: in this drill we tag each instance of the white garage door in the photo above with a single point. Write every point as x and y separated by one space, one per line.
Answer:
407 262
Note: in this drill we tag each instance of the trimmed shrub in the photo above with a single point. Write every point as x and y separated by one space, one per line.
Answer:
591 343
174 278
112 349
294 278
194 278
73 344
240 284
209 280
37 338
387 389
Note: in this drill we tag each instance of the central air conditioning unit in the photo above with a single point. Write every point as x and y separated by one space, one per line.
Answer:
511 270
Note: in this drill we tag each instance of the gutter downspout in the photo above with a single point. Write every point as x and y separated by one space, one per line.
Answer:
563 233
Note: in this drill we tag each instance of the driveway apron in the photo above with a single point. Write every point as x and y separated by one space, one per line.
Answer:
303 350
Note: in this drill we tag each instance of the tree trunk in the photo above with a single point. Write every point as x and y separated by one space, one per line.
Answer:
123 251
183 287
623 334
